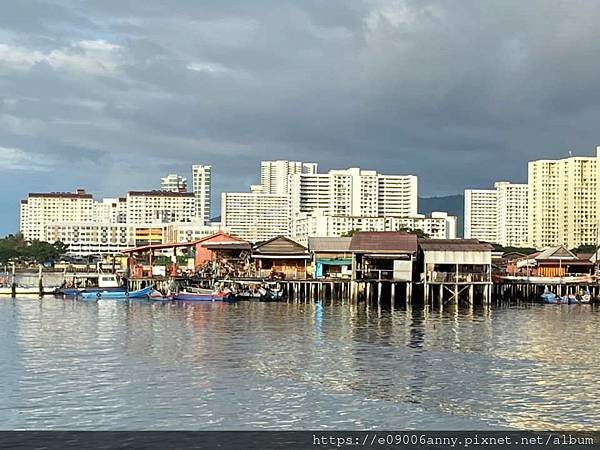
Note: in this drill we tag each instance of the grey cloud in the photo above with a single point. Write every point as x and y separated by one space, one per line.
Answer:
459 93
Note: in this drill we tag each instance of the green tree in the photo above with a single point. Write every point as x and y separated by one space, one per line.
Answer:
420 233
523 250
585 249
16 248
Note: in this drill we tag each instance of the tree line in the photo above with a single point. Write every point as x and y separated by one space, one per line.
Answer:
15 248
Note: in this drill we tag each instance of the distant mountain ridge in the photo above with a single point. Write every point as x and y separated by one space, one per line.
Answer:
452 204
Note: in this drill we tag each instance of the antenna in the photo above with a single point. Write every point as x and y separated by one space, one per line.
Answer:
570 153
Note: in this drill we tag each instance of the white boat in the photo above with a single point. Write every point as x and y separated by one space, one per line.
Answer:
25 290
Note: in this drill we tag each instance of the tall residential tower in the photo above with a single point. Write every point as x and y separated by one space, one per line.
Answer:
563 202
202 188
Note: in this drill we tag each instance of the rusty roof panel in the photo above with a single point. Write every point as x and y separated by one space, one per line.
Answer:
454 245
384 241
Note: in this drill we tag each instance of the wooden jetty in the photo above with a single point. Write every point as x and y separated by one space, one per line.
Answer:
372 267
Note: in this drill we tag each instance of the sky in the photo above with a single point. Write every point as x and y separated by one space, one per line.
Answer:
110 95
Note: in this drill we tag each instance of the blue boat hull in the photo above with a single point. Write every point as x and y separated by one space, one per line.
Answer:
552 299
73 292
142 293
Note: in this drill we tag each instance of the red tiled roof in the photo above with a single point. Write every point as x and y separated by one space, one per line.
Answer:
384 242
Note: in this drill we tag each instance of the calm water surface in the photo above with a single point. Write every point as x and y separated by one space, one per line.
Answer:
113 365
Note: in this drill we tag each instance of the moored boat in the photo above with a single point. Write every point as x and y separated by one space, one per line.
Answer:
23 290
204 295
551 298
104 283
253 291
99 295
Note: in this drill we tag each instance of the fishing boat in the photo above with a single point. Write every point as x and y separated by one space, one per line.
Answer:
10 286
204 295
551 298
247 290
102 295
22 290
270 295
105 282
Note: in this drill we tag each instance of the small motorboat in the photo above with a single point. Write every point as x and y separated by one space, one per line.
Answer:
270 295
551 298
158 296
105 282
204 295
25 290
100 295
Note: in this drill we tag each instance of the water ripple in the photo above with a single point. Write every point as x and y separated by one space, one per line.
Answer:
122 366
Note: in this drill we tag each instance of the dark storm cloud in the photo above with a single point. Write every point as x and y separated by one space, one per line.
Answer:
459 93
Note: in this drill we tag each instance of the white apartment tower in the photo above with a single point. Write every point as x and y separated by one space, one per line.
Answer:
173 183
255 216
41 209
512 215
563 202
481 215
147 207
274 175
202 188
439 226
354 192
264 212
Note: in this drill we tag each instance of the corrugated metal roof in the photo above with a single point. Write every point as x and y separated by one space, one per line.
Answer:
384 241
329 244
585 256
226 245
280 245
559 252
454 245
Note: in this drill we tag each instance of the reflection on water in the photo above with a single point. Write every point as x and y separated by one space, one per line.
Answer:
139 365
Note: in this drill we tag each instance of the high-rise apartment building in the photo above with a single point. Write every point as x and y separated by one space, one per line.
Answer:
563 202
110 210
292 191
264 212
111 225
255 216
354 192
439 225
274 175
160 207
173 183
41 209
512 202
202 188
90 238
481 215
